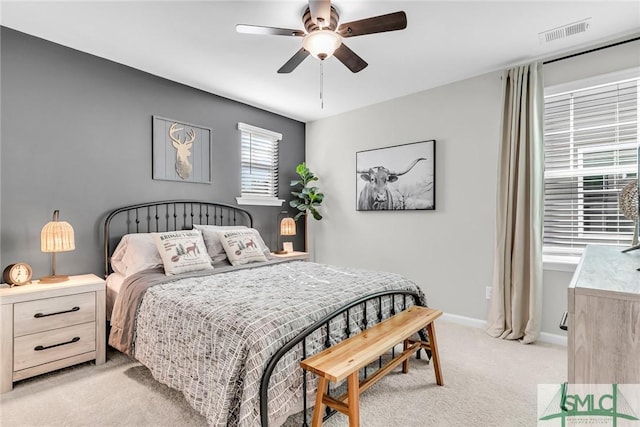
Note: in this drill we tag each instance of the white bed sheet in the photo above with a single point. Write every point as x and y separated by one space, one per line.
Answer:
114 283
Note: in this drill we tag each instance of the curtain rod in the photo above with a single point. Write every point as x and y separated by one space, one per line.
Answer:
591 50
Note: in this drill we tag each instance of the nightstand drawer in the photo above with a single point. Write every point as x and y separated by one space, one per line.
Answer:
52 313
37 349
45 327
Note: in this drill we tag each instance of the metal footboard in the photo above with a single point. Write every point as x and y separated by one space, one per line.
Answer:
384 305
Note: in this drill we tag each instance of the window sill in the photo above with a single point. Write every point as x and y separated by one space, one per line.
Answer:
259 201
560 263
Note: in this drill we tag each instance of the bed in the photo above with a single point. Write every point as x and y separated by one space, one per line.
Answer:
231 338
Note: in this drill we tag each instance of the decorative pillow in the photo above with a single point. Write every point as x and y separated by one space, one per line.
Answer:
135 252
242 246
212 239
182 251
211 235
265 249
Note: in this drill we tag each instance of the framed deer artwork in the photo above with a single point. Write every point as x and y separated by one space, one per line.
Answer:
181 151
397 178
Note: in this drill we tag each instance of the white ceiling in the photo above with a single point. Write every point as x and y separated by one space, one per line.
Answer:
195 43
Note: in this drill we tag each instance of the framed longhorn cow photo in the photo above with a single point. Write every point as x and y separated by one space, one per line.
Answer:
397 178
181 151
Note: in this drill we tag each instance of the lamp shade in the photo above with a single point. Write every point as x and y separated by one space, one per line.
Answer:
322 43
287 227
57 236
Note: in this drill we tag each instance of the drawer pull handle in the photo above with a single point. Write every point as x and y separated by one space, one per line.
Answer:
563 321
40 348
39 315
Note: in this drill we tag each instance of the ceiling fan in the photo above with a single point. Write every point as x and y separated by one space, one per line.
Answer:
323 36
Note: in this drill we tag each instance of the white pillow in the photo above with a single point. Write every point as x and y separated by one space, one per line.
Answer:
211 236
242 246
182 251
212 240
135 252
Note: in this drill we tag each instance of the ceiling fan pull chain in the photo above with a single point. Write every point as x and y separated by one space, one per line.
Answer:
321 86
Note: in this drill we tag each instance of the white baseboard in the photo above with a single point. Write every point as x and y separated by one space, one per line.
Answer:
463 320
477 323
553 338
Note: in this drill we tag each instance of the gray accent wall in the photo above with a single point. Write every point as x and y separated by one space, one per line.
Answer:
76 136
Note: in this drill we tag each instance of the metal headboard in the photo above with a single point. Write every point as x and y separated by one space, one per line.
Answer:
167 215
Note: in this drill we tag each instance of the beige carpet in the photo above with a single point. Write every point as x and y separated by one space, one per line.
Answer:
488 382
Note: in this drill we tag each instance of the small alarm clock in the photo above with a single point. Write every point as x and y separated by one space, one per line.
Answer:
17 274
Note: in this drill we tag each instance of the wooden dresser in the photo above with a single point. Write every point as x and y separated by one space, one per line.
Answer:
604 318
45 327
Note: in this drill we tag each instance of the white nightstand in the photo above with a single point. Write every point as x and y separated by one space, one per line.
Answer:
45 327
304 256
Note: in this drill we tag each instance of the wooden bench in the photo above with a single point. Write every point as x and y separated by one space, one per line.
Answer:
345 359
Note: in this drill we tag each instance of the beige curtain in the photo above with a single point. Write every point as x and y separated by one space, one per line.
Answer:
515 311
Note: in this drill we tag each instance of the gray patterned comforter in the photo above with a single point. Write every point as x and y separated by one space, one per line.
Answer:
211 337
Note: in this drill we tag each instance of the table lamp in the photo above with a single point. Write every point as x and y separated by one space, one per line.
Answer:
287 228
56 236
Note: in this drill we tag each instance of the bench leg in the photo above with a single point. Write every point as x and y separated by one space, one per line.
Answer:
435 356
318 410
353 393
405 364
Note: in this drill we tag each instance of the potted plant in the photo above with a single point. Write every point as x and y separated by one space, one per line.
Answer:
307 199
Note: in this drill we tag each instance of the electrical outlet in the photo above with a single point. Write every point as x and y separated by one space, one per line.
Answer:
487 292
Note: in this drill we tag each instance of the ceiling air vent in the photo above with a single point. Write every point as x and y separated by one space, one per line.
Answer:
565 31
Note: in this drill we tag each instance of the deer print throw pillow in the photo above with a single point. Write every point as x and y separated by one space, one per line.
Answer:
242 246
182 251
210 234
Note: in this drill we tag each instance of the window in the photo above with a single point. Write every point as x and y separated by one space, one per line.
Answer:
590 147
259 166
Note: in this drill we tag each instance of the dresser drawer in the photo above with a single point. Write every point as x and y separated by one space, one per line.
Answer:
43 347
52 313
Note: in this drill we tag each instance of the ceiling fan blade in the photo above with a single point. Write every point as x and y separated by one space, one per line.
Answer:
269 31
295 60
320 12
377 24
350 58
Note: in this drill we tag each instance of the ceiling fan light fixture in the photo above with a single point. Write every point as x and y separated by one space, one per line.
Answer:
322 43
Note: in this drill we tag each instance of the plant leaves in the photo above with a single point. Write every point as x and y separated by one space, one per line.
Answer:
308 198
315 213
301 168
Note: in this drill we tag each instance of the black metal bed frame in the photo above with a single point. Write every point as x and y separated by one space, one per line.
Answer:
325 323
172 215
168 215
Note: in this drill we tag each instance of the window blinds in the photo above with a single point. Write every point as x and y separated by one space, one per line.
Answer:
590 147
259 162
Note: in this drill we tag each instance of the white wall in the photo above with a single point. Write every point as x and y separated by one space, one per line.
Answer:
603 61
449 251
